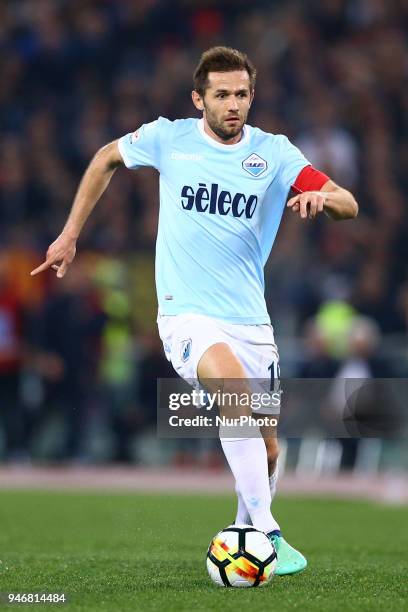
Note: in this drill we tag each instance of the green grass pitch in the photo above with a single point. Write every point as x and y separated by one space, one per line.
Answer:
119 552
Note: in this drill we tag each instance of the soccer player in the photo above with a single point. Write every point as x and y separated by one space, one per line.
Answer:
223 188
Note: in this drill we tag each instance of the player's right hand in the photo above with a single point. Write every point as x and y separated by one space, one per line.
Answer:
59 256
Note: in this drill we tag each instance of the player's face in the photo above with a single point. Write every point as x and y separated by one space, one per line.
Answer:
226 103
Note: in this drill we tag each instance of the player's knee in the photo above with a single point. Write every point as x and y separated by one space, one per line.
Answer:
235 398
221 372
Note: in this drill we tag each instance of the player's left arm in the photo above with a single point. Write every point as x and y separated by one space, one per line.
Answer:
338 203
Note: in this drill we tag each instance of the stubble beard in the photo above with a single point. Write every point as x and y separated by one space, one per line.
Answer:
219 128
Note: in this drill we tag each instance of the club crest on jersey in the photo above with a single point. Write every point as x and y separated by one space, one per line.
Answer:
255 165
185 349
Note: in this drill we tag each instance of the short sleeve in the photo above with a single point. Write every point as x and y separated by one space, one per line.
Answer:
292 161
143 147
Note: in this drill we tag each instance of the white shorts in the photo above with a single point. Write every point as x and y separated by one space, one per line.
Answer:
186 337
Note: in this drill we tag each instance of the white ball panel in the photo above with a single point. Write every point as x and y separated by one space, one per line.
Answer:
236 580
214 572
229 539
258 544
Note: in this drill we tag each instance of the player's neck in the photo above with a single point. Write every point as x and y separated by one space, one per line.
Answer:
214 136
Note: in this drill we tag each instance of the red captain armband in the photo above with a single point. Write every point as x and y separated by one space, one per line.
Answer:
309 179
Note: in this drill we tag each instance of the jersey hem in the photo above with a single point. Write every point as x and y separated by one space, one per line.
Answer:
252 320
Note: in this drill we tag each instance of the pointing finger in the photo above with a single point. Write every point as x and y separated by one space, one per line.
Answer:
44 266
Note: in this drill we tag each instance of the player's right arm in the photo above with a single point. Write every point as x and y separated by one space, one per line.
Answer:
97 176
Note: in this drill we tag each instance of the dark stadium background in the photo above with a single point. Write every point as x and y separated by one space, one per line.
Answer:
79 357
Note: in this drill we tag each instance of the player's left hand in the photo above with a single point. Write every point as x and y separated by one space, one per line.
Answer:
308 203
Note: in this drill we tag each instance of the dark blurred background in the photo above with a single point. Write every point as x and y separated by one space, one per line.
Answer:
79 358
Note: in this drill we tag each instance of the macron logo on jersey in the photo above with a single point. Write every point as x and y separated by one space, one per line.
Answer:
212 200
186 156
255 165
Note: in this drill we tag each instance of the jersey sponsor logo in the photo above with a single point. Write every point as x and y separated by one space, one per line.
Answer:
214 200
255 165
186 156
186 349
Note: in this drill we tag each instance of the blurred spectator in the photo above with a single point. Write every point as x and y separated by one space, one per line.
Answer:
66 333
348 399
318 361
12 415
328 145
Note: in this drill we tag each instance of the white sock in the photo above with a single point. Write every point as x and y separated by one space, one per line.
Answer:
242 517
273 479
248 462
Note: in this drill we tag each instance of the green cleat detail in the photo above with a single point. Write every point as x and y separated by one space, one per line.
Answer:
290 560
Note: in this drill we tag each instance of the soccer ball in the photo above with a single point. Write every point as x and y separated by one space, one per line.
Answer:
241 556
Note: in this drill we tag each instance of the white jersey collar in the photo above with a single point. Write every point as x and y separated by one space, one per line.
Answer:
220 145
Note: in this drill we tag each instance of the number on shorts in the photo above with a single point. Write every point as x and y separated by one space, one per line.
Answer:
275 374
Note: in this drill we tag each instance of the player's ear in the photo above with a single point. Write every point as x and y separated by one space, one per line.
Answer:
197 100
251 97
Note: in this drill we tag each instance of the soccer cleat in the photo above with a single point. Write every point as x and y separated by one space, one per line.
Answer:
290 560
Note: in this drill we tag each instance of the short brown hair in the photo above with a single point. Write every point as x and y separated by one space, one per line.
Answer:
221 59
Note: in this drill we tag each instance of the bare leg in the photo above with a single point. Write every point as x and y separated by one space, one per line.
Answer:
247 457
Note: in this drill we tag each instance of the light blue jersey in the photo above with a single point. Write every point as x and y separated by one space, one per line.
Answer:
220 209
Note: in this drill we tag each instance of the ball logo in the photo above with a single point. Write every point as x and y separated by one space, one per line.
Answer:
255 165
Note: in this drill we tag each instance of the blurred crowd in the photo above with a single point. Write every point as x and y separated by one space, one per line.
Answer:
83 353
